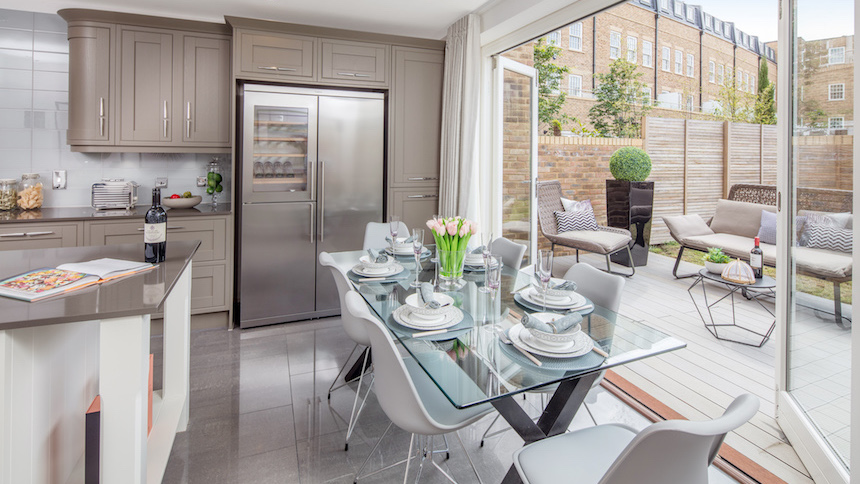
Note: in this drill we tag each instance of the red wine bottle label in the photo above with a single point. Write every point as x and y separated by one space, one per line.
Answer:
755 260
155 233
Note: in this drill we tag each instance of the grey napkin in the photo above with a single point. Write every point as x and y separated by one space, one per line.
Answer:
375 256
391 241
425 294
561 286
479 250
558 326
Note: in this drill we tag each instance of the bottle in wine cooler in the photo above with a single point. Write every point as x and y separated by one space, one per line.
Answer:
155 230
755 259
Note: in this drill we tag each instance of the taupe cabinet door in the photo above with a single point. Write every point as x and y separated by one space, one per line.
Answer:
146 87
415 206
278 55
90 86
206 91
417 116
354 61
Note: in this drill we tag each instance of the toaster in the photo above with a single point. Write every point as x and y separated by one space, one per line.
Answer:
114 193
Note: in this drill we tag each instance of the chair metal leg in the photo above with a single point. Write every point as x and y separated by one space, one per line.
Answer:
358 472
352 415
589 413
677 263
484 436
577 256
332 387
469 457
408 457
629 257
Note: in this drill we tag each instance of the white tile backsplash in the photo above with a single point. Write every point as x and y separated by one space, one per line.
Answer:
34 117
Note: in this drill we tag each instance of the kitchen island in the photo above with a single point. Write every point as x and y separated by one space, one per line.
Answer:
58 354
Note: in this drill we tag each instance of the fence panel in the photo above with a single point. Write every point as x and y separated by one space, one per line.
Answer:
665 142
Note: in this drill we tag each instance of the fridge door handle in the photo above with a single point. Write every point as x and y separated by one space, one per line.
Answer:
322 200
313 222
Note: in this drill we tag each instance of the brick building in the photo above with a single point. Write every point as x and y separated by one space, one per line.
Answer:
826 83
684 53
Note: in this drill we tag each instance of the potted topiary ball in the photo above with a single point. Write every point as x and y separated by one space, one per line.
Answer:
630 201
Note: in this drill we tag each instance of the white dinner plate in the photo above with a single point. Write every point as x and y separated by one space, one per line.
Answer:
362 271
474 259
401 250
582 344
450 318
443 299
573 301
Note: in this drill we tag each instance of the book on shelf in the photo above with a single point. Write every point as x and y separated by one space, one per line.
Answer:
51 281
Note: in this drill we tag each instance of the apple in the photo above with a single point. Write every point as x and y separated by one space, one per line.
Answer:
175 196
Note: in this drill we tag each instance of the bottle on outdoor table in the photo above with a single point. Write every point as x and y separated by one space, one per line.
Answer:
755 259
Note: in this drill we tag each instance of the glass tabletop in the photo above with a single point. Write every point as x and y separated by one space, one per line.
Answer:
487 369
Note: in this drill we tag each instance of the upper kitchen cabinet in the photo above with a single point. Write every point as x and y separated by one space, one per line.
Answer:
276 56
354 62
147 84
91 81
146 87
416 115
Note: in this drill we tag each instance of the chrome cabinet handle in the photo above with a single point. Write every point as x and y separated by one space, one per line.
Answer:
287 69
164 120
346 74
168 228
101 116
361 75
422 196
164 128
313 223
322 200
267 68
33 234
188 119
101 106
422 178
16 234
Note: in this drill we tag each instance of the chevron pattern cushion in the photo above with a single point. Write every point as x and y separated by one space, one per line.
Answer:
580 218
822 236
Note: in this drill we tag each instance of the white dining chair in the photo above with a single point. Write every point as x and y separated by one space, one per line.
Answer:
676 451
376 232
356 332
511 252
408 396
604 290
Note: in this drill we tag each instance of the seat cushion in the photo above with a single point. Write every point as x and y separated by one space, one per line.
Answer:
583 456
683 226
823 263
738 218
599 241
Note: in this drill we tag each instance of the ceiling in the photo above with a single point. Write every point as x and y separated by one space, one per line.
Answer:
414 18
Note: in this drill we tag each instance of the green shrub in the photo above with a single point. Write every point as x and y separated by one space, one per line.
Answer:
716 255
630 164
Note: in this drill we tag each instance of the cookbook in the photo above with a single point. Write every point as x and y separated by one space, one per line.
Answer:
51 281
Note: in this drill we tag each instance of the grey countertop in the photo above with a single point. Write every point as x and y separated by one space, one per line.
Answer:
133 295
71 214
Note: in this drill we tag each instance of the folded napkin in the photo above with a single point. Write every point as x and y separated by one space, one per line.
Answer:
479 250
558 326
425 295
392 241
376 257
561 286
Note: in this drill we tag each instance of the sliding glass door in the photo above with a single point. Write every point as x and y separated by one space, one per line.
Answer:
815 257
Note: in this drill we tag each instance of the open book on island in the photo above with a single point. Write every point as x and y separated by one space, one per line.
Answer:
47 282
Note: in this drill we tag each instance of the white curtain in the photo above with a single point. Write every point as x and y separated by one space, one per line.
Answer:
458 190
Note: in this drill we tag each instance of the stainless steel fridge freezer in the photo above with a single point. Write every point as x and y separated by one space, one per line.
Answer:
312 168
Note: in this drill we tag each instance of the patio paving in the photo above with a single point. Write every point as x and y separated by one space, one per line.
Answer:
701 380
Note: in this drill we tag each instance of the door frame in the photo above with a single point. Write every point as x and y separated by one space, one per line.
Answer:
501 64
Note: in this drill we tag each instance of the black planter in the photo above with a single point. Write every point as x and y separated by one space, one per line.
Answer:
630 205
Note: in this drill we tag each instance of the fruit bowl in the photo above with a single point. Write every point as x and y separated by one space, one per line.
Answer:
181 202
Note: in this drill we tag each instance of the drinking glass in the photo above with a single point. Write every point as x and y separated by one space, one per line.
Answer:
435 259
494 275
544 270
393 229
417 247
486 243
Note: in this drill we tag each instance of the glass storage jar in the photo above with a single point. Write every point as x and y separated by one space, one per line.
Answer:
214 178
30 195
8 194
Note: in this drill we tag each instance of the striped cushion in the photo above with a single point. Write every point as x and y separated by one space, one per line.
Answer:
821 236
580 219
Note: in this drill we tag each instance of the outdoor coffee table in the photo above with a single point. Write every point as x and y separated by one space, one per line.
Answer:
763 287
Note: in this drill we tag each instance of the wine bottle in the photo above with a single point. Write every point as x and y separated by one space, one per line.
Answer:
155 230
755 259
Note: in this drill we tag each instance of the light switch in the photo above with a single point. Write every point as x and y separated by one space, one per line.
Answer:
201 181
59 180
161 182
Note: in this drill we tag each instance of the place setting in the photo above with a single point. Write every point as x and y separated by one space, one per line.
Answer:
430 315
377 267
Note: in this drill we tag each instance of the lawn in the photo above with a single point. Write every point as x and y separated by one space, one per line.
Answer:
805 284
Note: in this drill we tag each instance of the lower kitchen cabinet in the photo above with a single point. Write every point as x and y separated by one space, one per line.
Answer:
415 206
208 287
40 236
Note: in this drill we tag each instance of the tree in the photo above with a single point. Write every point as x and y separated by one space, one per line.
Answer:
735 104
550 95
622 100
764 111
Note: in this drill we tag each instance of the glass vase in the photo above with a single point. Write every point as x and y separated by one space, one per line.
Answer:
449 267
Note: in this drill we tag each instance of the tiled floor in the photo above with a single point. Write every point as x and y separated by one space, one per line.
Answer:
259 414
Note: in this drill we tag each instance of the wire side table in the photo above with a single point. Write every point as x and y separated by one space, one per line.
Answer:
763 287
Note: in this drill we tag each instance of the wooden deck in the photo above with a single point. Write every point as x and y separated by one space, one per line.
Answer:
701 380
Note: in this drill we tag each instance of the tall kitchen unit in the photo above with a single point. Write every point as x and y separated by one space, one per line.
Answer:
311 170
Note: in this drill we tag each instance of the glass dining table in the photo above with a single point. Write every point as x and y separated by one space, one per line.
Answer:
488 370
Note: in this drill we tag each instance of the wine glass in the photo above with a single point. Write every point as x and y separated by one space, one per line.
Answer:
486 242
434 259
393 229
544 269
417 248
494 275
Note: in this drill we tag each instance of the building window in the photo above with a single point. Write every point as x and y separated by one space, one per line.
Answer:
690 102
690 62
739 78
554 38
575 39
718 26
746 81
712 71
691 14
614 45
836 55
727 29
647 49
575 85
836 123
646 92
679 9
664 4
708 20
720 74
632 44
679 62
836 92
664 59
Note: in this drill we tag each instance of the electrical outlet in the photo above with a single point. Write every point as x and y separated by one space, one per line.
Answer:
201 181
161 182
59 180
